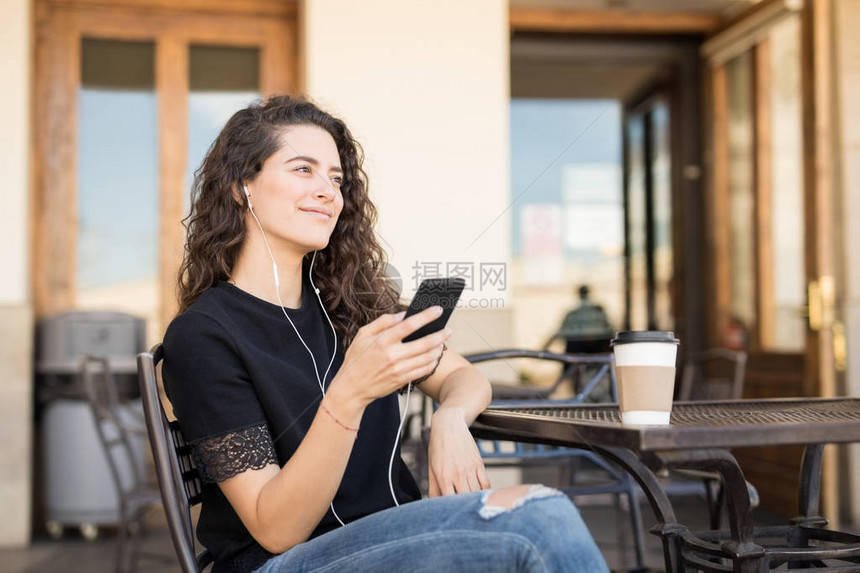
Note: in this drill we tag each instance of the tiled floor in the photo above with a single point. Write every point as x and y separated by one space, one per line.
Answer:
609 525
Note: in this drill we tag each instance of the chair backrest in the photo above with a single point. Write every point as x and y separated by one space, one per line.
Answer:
113 425
716 374
178 478
591 368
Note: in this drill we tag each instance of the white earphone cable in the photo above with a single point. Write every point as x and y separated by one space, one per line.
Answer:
281 303
322 306
321 381
302 340
396 441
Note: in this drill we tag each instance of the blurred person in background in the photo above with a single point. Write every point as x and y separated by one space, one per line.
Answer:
586 328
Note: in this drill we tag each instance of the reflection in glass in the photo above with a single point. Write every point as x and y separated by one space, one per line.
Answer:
637 216
222 80
741 191
787 293
566 165
117 178
661 181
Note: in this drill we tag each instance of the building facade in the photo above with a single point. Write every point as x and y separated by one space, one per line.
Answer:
428 92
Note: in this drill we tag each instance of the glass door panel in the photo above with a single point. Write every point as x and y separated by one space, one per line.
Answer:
766 277
784 299
637 216
567 224
661 219
741 195
117 179
648 204
222 80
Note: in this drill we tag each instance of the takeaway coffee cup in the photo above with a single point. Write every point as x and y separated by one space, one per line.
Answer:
645 372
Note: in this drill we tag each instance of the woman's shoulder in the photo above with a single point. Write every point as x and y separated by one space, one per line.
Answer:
209 314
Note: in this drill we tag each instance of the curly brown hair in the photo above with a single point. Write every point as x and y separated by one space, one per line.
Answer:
350 271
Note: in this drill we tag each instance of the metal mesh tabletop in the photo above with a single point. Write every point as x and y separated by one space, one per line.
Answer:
711 427
694 424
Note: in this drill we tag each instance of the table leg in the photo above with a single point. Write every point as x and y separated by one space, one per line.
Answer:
746 554
667 527
808 494
809 489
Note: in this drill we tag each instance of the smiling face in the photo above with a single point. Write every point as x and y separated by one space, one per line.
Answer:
296 194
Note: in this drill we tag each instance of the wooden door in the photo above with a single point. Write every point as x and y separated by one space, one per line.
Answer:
128 97
769 232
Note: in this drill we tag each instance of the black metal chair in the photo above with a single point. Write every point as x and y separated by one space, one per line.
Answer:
715 374
579 369
117 432
178 478
589 372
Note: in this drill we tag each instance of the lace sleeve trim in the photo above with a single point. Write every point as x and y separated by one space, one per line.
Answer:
221 457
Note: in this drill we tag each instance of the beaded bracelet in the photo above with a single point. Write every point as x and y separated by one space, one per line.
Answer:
415 383
339 423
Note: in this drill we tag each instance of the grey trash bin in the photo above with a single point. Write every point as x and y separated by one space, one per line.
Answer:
78 488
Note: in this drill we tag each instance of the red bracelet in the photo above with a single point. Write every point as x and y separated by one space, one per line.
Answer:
339 423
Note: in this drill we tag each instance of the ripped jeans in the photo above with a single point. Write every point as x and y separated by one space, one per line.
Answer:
539 532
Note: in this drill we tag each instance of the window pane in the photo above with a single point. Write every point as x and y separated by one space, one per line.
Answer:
786 296
661 176
566 209
222 80
117 178
637 215
741 191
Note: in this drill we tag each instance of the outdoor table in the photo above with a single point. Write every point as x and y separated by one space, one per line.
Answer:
697 438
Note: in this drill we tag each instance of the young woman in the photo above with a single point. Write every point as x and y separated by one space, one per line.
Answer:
283 370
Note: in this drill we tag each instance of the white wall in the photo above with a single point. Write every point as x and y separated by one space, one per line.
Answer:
424 88
16 321
848 73
14 148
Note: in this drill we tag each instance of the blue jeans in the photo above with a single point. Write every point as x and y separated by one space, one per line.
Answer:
542 532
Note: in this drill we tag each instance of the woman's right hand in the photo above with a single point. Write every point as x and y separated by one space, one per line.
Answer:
378 362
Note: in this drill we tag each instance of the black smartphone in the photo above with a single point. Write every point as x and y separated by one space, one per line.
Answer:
444 292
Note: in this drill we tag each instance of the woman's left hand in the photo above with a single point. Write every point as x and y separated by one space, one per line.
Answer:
455 465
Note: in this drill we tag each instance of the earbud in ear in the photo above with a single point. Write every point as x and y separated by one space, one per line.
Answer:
248 195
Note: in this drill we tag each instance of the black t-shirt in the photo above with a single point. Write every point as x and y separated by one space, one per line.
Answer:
244 390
